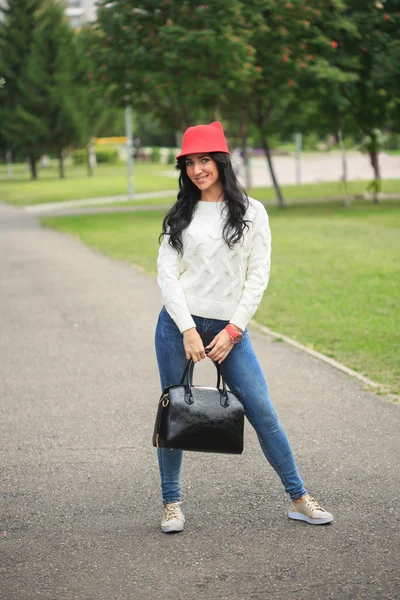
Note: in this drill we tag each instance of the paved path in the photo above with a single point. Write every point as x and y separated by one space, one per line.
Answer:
94 202
318 167
79 495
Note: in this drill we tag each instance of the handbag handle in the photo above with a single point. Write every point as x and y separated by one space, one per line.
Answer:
187 381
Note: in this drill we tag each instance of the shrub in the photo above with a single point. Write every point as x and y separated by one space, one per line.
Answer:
155 155
171 157
79 157
393 141
107 155
103 155
310 141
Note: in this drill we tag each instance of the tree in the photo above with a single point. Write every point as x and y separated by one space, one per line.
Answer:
49 117
97 114
178 61
375 61
292 54
17 28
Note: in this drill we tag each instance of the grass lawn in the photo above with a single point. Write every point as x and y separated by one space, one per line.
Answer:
297 194
318 191
110 180
334 283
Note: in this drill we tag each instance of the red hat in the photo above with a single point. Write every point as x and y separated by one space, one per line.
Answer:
204 138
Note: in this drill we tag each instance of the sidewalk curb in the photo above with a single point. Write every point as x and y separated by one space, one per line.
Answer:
330 361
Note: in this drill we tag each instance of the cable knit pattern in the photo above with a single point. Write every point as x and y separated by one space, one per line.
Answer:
210 280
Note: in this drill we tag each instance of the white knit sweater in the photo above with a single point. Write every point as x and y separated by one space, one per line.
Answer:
210 280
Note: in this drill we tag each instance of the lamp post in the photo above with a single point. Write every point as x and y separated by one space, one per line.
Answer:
129 144
298 143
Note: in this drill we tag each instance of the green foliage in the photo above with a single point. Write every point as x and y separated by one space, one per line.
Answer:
44 115
80 157
374 141
369 55
310 141
151 133
2 82
107 155
155 155
99 117
393 141
103 156
174 60
17 26
171 157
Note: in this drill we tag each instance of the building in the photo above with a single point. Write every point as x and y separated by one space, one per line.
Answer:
80 11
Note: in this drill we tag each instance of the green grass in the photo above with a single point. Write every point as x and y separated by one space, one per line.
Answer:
110 180
293 194
319 191
334 283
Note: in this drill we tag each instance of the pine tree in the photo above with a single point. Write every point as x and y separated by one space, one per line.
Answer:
17 27
50 115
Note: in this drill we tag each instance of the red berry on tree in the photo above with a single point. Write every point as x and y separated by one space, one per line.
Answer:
334 44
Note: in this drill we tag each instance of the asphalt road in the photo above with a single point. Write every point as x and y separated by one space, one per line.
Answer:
80 502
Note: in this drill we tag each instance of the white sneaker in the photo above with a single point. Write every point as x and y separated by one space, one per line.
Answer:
310 511
173 518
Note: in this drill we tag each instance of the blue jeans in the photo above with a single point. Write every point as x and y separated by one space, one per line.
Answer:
245 378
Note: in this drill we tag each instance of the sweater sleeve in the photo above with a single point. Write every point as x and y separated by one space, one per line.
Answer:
258 269
172 293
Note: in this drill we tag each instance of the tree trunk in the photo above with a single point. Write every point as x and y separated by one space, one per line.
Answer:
32 166
244 131
267 150
337 125
344 177
61 165
91 158
374 157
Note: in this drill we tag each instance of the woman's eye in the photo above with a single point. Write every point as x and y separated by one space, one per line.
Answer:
188 164
205 160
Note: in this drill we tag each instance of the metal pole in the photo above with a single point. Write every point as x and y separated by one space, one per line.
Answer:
129 147
298 142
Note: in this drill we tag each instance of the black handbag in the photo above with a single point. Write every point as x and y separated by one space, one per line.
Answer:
202 419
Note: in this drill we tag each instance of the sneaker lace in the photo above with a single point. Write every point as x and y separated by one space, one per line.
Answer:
313 504
173 511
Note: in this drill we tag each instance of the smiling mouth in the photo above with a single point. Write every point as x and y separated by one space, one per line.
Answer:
201 178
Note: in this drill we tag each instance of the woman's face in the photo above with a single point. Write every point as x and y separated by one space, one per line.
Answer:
202 170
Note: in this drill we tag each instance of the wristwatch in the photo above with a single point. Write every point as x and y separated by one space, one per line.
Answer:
235 336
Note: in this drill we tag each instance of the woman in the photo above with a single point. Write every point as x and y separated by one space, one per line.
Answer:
213 267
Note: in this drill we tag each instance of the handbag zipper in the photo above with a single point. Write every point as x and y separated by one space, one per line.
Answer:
164 400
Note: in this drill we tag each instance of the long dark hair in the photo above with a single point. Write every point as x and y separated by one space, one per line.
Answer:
181 214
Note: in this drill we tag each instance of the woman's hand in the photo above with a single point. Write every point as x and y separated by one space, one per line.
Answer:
193 345
221 346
